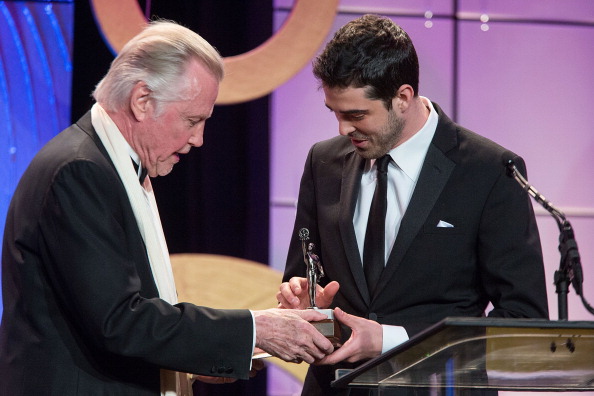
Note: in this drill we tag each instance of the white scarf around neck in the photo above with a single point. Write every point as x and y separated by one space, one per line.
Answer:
145 210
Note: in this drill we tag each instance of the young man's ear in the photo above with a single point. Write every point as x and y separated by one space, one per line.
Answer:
403 97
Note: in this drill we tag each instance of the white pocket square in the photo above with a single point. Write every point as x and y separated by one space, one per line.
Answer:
444 224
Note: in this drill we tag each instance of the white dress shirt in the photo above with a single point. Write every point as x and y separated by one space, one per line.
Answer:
403 173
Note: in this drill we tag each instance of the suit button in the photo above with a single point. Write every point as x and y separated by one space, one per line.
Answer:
221 370
373 316
213 369
229 370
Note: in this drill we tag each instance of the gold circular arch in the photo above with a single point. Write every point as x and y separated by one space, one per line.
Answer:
252 74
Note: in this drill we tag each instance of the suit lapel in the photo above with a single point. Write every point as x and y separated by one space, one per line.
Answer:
352 172
434 175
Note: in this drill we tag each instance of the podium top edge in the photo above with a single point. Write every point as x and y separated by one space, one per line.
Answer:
461 322
510 322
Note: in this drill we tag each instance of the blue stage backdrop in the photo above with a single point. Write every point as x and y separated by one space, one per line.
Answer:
35 84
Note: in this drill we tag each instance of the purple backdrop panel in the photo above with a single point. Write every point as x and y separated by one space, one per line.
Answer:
441 7
282 219
529 87
551 10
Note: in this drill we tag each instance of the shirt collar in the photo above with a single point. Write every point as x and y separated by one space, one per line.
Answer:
410 155
135 158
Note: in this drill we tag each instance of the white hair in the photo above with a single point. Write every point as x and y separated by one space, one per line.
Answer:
158 56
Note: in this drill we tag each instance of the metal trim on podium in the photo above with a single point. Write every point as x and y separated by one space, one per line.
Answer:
485 353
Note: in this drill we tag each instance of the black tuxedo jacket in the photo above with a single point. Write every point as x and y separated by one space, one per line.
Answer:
492 254
81 309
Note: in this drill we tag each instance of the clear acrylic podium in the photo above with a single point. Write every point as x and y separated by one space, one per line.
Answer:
485 353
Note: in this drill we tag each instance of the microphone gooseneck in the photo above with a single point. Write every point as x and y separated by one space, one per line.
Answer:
512 171
570 269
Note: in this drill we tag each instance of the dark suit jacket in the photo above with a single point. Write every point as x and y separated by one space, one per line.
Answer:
492 254
81 309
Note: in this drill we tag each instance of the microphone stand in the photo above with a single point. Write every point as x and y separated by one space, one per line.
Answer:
570 268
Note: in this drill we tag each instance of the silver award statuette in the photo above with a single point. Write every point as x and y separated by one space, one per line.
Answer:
328 327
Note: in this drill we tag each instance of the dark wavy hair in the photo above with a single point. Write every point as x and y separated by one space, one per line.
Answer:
373 52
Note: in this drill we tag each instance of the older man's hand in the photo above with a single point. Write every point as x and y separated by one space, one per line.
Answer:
288 335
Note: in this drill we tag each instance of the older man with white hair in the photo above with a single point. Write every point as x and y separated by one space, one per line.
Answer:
90 306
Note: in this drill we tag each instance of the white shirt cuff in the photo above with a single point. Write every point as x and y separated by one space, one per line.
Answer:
393 336
254 336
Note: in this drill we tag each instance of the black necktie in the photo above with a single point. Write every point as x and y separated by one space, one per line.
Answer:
143 172
373 249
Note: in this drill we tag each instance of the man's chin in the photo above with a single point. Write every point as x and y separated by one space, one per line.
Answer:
165 169
365 153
